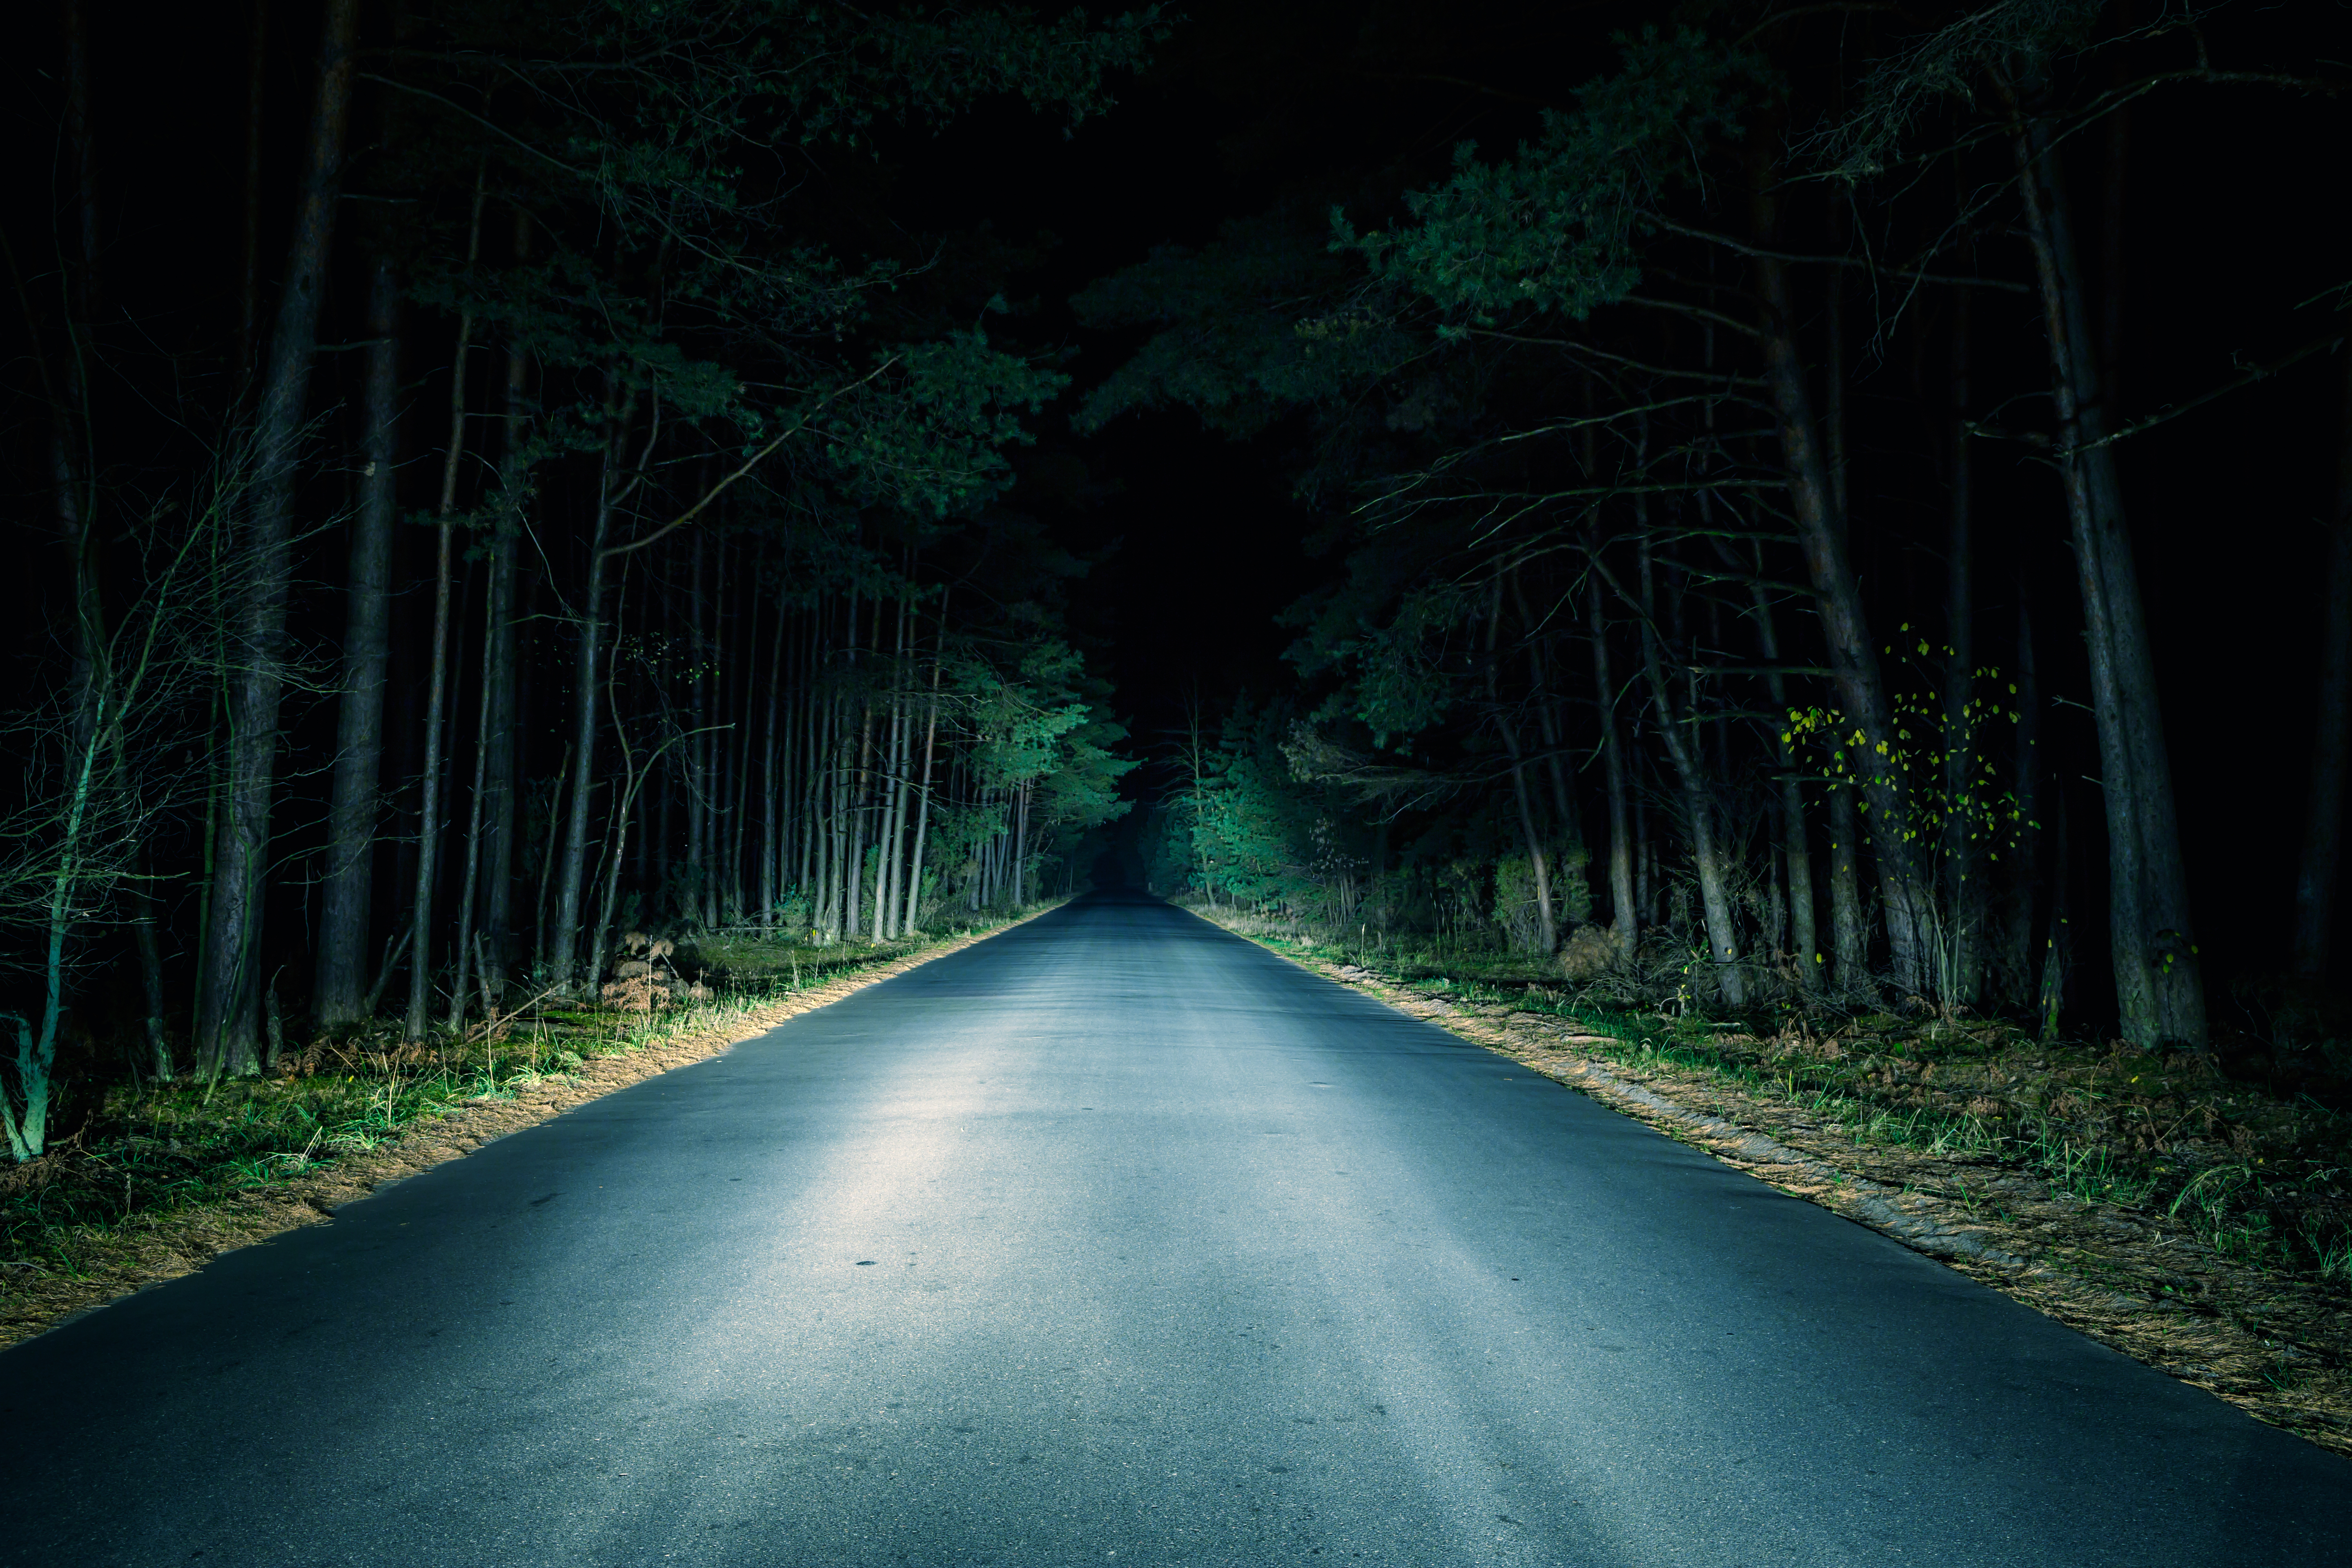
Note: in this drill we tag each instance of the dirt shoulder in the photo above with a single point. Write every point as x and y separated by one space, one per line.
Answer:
156 1244
2137 1277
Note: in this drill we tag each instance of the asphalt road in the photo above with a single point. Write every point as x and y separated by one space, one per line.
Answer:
1113 1240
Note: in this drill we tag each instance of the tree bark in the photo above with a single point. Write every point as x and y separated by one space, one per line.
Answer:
540 945
1796 852
502 670
2026 856
428 833
923 799
2159 987
150 932
1965 812
739 771
1624 909
1537 861
698 745
771 802
563 945
626 787
1681 740
714 816
1820 535
2058 948
1021 847
1645 865
345 903
1575 892
1849 938
229 1021
469 879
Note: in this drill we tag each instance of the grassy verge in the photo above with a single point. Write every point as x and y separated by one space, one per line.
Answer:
176 1170
2201 1224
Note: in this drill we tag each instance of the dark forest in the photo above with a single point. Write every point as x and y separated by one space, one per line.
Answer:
1781 521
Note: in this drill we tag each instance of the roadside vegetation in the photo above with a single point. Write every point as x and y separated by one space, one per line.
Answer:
2260 1173
2194 1210
146 1160
719 619
1696 665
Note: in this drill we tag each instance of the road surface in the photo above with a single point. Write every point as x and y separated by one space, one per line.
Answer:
1114 1240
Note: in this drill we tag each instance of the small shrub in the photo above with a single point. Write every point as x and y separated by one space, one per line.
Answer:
1589 953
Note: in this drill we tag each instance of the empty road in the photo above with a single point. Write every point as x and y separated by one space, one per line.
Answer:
1113 1240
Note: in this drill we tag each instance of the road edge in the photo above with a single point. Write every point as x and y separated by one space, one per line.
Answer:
179 1242
1918 1221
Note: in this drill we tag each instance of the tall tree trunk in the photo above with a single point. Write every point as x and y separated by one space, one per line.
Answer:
1965 813
861 782
1021 847
771 802
1645 865
2025 857
626 788
1681 740
2331 746
1624 906
2058 948
698 745
502 801
1796 852
428 836
429 817
1820 535
469 879
228 1022
149 924
1849 937
739 801
501 669
902 740
563 965
1537 861
542 963
346 895
2159 990
923 798
892 810
1575 893
836 787
811 818
714 777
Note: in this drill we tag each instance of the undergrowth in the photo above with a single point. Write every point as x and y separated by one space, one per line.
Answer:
2262 1180
150 1152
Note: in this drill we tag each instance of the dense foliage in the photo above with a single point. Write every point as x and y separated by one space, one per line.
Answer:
603 531
1617 432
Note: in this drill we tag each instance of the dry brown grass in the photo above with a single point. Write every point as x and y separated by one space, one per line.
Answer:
155 1246
2136 1269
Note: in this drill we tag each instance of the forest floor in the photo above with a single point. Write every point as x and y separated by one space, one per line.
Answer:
2199 1224
157 1180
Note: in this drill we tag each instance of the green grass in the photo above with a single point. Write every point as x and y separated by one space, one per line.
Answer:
2244 1210
166 1149
159 1150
